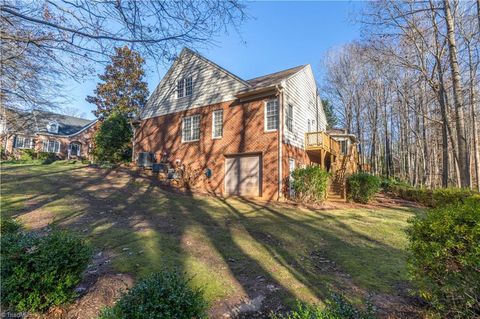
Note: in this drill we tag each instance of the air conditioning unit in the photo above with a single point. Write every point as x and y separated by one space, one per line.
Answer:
145 159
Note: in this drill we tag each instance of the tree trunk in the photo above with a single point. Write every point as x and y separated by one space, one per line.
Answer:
458 99
472 110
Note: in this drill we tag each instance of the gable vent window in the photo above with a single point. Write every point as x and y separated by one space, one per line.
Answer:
52 127
271 115
23 142
184 87
289 118
191 128
217 124
51 146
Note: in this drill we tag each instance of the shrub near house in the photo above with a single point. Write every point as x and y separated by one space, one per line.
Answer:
310 183
361 187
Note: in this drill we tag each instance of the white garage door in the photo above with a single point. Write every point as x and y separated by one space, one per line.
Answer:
242 175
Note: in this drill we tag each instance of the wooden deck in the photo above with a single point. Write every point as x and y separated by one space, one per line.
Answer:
321 141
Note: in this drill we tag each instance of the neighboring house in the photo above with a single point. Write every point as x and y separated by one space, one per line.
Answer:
66 136
232 136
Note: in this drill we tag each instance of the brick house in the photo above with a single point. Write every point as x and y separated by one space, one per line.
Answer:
237 137
65 136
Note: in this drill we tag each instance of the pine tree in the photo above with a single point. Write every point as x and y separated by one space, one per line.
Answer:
329 113
123 88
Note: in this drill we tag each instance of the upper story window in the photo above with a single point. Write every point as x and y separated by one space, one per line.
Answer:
51 146
217 124
271 115
52 127
191 128
184 87
23 142
289 118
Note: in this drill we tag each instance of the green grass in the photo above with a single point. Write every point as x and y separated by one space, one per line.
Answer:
226 244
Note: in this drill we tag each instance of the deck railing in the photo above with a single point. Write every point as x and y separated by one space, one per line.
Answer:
321 140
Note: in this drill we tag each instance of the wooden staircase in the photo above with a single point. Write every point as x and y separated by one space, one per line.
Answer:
344 165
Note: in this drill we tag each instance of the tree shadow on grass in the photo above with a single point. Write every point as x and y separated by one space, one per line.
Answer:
237 247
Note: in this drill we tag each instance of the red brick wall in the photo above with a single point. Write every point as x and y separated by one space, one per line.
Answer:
243 132
84 138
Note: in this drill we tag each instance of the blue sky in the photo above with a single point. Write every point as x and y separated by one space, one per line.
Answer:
279 35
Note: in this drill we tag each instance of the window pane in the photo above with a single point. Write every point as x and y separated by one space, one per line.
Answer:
188 86
218 123
187 128
196 127
272 115
180 88
289 118
19 142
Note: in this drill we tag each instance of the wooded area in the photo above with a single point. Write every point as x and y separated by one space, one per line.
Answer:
409 90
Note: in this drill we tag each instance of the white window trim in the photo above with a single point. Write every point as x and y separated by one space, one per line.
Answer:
290 129
48 142
31 146
79 153
49 125
265 124
184 88
199 127
213 125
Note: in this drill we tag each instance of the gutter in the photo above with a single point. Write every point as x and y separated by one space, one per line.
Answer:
280 142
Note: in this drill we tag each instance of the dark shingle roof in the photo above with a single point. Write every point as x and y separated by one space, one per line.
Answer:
274 78
67 125
37 121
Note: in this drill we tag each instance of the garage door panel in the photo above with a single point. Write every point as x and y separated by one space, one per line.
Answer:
242 175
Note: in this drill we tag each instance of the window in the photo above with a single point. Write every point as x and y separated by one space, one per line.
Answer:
52 127
217 124
289 118
184 87
51 146
271 115
191 128
23 142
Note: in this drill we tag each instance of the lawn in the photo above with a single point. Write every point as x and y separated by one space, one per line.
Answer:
236 249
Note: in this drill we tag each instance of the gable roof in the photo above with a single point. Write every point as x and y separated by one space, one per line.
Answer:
36 121
274 78
218 84
67 125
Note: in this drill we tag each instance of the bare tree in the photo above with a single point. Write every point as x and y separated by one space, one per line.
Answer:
44 39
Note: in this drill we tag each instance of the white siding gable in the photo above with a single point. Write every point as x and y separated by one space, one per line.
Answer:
211 84
301 93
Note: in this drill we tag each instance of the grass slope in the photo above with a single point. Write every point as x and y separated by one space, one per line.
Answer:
232 247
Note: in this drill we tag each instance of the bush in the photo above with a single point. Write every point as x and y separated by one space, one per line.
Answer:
41 272
432 198
445 257
388 183
10 226
47 157
361 187
337 308
162 295
310 183
27 154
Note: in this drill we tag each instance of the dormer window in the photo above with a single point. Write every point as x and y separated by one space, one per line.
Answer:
184 87
52 127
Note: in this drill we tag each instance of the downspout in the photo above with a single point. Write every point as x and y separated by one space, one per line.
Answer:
280 143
